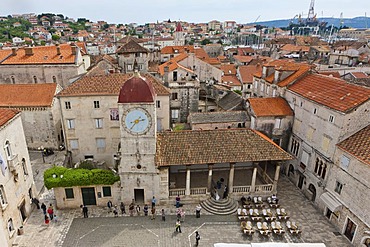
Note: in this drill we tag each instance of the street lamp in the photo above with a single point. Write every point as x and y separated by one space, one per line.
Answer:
42 153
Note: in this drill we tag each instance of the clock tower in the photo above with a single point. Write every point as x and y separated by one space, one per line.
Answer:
137 170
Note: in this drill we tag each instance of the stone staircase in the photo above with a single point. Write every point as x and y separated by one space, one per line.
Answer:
221 207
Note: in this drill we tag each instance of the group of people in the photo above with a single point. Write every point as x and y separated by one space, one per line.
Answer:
49 214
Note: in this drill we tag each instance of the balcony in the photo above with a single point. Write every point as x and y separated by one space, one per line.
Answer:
13 162
277 132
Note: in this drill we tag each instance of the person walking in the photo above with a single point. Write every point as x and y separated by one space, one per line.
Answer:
43 207
51 211
226 191
36 202
131 208
123 209
115 211
85 210
146 209
177 201
197 211
178 226
154 201
197 238
138 210
153 213
109 205
163 215
46 219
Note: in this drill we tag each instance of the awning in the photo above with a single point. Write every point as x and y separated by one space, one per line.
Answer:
331 202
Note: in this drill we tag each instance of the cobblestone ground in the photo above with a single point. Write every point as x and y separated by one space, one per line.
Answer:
102 229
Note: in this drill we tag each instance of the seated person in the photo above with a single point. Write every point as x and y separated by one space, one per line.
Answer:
274 199
243 200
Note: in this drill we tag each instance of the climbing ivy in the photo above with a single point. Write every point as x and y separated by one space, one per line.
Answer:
59 176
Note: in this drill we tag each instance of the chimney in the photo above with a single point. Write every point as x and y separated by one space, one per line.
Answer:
14 51
74 49
166 70
58 50
28 51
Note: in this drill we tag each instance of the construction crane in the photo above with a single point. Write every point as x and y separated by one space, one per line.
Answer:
341 22
311 12
257 19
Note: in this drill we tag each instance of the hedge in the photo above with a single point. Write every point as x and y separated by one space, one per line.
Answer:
68 177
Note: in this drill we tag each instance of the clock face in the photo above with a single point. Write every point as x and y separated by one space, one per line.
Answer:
137 121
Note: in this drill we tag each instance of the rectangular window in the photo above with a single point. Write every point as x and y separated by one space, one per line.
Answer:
158 103
96 104
277 123
68 105
174 96
98 123
175 114
70 123
331 119
129 67
314 111
107 192
73 144
69 193
100 143
338 187
344 162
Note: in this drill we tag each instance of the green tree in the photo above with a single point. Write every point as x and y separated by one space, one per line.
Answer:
55 37
205 41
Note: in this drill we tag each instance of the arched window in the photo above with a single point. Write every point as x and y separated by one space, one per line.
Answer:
10 225
34 79
12 78
320 168
323 172
24 166
8 149
54 79
317 165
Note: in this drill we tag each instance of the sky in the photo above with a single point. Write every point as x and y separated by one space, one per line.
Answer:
145 11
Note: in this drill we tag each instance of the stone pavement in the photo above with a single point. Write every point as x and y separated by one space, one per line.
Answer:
102 229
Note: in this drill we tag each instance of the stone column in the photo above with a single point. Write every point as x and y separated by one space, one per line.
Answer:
276 178
231 177
187 189
254 177
209 184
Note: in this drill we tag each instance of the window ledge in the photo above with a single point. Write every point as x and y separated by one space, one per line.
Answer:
4 206
11 233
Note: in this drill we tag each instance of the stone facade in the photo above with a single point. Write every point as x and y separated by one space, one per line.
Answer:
16 178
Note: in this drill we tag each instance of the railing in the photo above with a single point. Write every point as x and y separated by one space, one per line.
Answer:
198 191
263 188
175 192
241 189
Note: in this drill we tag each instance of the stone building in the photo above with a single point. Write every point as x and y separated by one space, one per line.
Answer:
132 56
90 116
179 35
16 179
39 110
273 117
327 110
219 120
42 64
346 200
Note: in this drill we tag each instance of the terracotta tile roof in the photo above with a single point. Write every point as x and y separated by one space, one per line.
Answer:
228 69
358 145
330 73
27 95
172 64
215 146
201 53
107 85
131 47
246 72
82 47
230 80
331 92
177 49
243 59
43 55
295 48
300 70
6 115
4 54
358 75
270 107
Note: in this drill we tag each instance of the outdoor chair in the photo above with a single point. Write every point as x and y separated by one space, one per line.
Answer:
277 228
263 228
293 228
249 228
255 215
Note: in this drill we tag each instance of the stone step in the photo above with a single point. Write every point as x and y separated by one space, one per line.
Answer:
221 207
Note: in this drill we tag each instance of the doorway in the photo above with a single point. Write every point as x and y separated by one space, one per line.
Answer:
349 232
312 188
139 195
291 170
88 196
328 213
22 210
300 181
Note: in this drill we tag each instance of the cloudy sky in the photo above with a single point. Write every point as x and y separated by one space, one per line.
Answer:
143 11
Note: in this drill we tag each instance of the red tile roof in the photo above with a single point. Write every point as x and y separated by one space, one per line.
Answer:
6 115
330 73
228 69
295 48
172 64
4 54
358 145
270 107
331 92
246 72
359 75
107 85
27 95
43 55
177 49
215 146
231 80
243 59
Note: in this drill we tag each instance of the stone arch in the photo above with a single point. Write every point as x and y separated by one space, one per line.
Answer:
312 189
291 170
